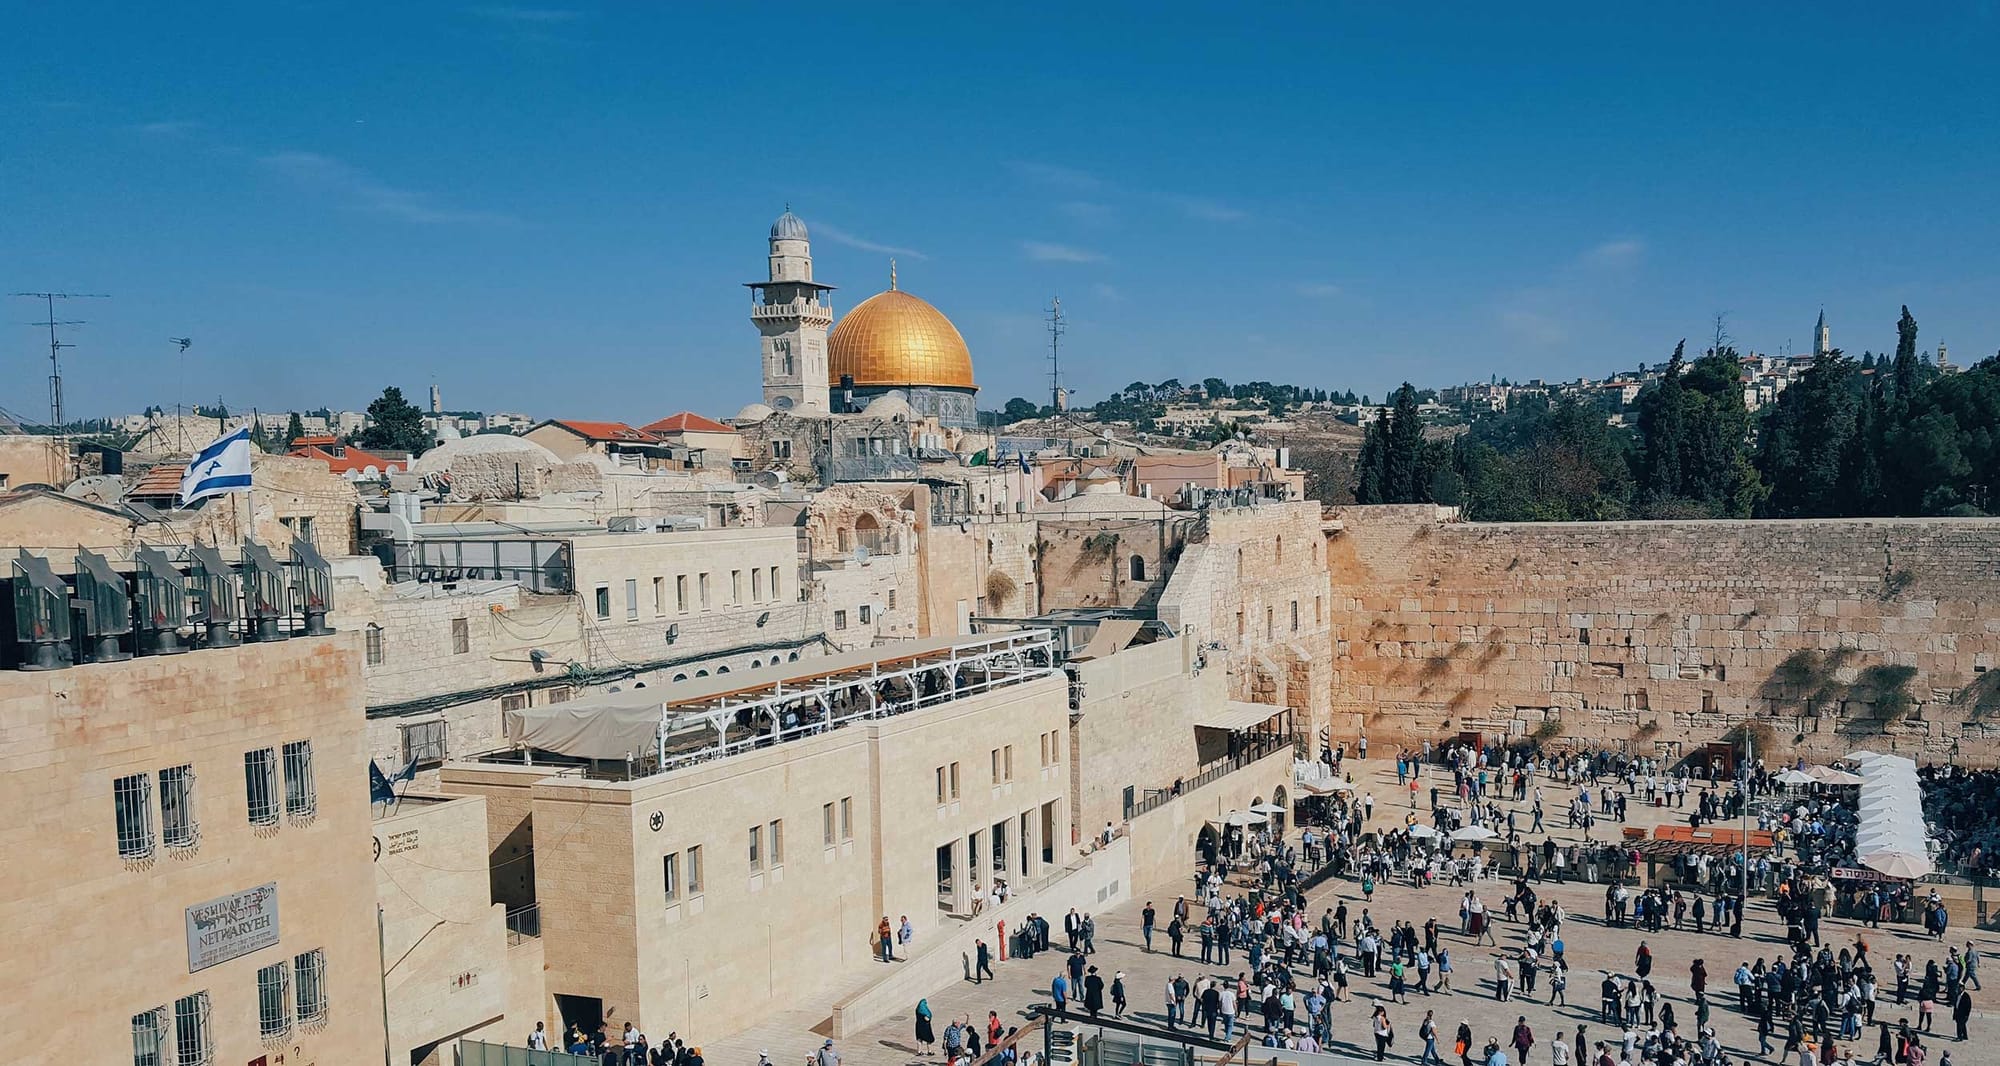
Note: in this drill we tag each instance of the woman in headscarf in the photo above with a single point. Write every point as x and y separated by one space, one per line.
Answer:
925 1037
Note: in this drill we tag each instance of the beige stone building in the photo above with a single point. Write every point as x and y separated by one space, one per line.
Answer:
203 891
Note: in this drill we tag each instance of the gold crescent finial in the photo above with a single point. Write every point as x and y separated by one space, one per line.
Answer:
892 273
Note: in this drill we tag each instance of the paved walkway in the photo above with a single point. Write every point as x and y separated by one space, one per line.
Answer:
1591 948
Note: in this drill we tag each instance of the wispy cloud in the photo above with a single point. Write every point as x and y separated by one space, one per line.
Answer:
1317 290
1056 174
1624 252
840 236
357 190
1205 210
1045 252
174 128
536 16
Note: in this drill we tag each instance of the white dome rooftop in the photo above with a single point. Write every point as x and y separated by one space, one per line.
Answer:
753 413
439 459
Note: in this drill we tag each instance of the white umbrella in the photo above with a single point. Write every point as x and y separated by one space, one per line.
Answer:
1267 808
1898 864
1827 775
1337 785
1473 832
1795 777
1242 818
1424 832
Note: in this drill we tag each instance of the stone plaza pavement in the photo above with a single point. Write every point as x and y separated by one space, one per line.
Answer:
1590 946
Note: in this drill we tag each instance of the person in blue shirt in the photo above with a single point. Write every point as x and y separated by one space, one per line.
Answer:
1059 992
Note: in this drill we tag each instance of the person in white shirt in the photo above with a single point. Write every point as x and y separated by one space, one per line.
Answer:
539 1039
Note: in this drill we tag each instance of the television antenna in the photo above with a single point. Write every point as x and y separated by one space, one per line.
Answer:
56 345
1056 329
180 395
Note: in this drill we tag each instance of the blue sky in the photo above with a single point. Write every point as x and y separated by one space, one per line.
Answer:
551 209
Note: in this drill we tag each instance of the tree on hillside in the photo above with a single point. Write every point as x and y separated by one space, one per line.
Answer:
1663 433
294 429
1215 388
1808 443
395 424
1017 410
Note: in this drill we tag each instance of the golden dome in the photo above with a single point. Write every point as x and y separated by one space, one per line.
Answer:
894 338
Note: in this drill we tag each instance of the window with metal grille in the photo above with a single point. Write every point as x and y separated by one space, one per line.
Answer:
374 644
300 798
309 981
424 742
260 785
149 1037
132 800
274 999
194 1045
461 636
178 827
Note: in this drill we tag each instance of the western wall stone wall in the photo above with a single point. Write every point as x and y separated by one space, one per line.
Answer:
1833 634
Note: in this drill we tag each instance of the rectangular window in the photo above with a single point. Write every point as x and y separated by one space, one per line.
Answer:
694 870
774 839
826 823
943 795
300 797
1295 616
149 1038
309 977
892 599
681 593
847 818
274 1000
132 804
1009 760
659 596
954 780
604 601
704 592
260 785
1270 623
996 765
670 875
840 619
757 586
374 644
756 848
178 826
867 614
516 702
736 587
461 636
631 598
424 742
1319 610
560 694
775 593
1239 625
194 1044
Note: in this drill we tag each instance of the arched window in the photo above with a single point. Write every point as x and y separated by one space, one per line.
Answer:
701 673
680 677
722 669
1281 547
1138 568
792 658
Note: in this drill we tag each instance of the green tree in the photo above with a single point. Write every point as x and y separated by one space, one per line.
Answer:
1663 433
1017 410
1402 464
1370 470
1215 388
1808 444
258 437
395 424
294 429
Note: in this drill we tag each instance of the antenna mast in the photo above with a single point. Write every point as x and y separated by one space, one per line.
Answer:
56 345
1056 327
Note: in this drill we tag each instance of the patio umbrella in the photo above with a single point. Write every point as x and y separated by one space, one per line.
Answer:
1241 818
1827 775
1898 864
1424 832
1267 808
1795 777
1473 832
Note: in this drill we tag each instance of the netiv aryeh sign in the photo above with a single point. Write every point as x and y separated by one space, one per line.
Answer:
233 926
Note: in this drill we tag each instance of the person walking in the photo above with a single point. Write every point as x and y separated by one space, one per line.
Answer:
925 1035
1118 994
1385 1034
886 938
982 961
1093 993
1427 1031
1524 1038
1961 1010
1146 926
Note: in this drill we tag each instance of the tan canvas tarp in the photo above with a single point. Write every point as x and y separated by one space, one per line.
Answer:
610 726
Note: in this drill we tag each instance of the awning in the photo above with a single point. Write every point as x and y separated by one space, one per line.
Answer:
608 725
1111 637
1236 717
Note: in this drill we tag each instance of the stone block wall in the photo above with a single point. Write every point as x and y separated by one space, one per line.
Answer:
1832 634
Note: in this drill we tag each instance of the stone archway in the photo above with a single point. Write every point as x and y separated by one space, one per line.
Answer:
1279 822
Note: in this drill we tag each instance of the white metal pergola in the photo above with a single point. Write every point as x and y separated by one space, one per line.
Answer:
887 684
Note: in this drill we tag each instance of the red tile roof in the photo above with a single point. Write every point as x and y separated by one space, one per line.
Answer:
611 431
686 422
163 480
352 461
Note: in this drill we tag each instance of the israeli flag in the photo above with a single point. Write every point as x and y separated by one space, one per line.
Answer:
223 466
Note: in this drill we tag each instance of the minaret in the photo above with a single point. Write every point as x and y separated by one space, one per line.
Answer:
793 318
1822 336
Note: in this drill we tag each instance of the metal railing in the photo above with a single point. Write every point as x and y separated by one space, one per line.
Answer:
481 1053
524 923
1256 746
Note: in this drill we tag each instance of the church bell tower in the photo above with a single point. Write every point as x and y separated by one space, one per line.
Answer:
788 310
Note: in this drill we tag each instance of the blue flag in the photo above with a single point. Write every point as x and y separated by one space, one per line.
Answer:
223 466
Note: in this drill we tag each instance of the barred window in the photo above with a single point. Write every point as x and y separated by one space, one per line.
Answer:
424 742
309 978
149 1037
132 801
461 636
260 785
274 999
194 1045
374 644
178 827
300 799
